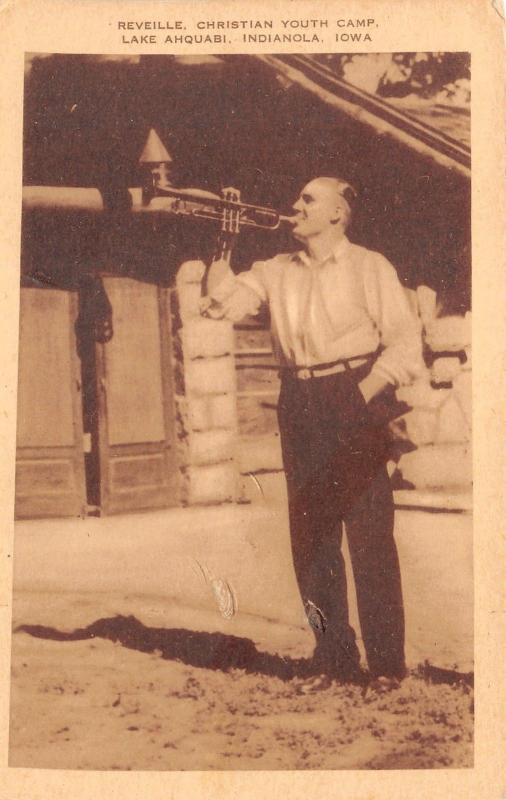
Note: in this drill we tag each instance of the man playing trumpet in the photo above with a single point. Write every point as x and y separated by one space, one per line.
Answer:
345 337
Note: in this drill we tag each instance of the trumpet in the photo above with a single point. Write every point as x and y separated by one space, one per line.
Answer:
228 209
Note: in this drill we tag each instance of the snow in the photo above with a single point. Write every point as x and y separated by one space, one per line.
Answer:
142 703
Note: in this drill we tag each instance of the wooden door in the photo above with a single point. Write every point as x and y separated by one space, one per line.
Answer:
49 466
136 403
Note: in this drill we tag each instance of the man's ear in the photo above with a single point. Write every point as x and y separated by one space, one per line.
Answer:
337 216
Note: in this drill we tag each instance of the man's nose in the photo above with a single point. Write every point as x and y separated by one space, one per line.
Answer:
298 206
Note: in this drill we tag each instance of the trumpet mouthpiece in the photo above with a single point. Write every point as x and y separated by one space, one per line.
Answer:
288 220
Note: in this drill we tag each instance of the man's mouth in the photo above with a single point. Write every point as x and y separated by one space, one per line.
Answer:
296 219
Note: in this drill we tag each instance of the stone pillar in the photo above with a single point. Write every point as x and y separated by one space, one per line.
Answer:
439 424
205 389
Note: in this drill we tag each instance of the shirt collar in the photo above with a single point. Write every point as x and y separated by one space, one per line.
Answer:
334 254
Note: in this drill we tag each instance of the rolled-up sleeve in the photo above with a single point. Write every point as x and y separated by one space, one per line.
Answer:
237 295
400 361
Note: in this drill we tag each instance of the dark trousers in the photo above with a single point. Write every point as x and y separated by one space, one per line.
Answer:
334 451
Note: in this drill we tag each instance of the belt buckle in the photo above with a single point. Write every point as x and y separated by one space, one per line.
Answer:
304 374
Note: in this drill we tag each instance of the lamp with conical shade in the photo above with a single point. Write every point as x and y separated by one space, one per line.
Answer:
154 151
154 162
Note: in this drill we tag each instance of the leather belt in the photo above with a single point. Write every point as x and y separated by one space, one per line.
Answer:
320 370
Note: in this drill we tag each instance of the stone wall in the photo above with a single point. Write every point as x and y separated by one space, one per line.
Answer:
438 428
205 395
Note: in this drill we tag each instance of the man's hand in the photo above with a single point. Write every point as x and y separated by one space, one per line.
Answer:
210 308
372 385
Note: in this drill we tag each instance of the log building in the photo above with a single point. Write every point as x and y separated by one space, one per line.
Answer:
128 399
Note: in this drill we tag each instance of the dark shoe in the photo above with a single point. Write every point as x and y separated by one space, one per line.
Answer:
320 682
387 679
352 674
349 672
313 684
398 673
384 683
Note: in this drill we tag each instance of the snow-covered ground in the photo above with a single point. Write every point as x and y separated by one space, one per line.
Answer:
142 702
124 658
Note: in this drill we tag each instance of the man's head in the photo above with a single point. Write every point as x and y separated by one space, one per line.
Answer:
323 204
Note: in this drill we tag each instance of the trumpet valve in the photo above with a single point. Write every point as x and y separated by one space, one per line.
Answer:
231 217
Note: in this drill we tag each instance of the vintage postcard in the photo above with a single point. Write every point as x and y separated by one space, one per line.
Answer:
252 324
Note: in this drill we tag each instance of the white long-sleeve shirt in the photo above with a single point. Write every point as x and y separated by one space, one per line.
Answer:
346 306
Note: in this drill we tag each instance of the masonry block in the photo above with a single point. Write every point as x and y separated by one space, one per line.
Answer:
223 411
444 370
207 337
420 394
452 425
210 447
438 466
188 298
449 333
210 376
206 485
421 425
211 411
190 272
199 415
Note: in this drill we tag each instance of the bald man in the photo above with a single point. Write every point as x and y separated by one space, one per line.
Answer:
345 337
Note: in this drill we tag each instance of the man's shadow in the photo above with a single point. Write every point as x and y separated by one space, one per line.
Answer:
217 651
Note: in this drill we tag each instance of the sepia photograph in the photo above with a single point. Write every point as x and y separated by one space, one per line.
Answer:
243 530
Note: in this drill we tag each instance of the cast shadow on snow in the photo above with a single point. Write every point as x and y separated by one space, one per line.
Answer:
218 651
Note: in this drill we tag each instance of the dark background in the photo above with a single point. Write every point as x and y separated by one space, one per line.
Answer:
230 121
